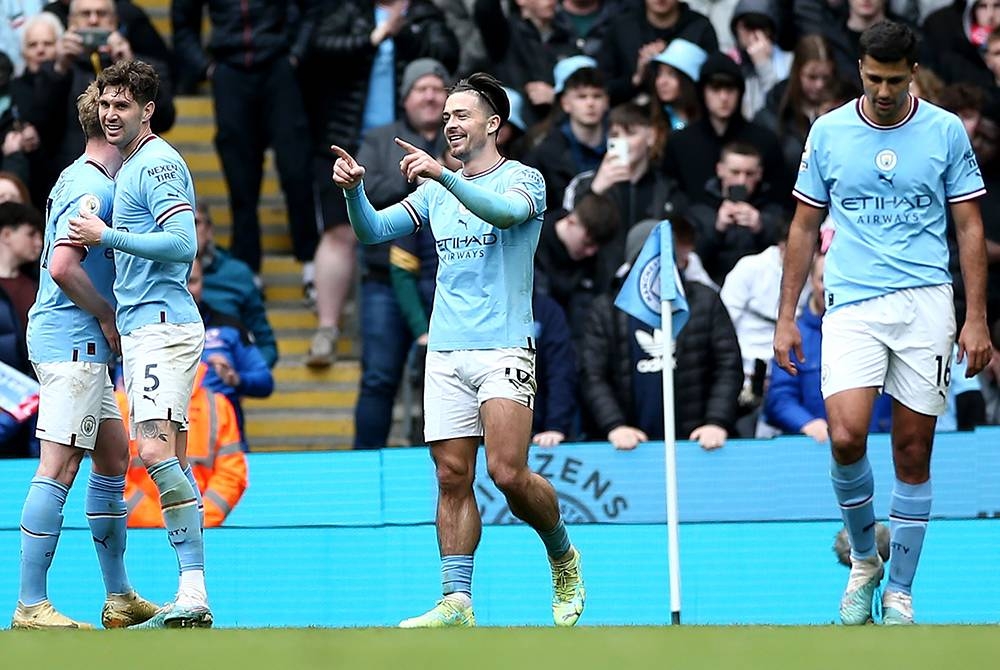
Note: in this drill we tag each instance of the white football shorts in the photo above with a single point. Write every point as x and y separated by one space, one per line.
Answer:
74 397
457 383
900 342
160 361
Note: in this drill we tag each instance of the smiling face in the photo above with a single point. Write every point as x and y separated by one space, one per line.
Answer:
424 102
123 119
468 123
887 89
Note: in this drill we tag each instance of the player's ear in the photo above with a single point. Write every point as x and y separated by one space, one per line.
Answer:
147 111
492 124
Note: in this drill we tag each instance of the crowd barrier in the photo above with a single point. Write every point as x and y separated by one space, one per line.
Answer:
348 538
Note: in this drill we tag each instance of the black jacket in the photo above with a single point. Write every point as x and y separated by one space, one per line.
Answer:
340 57
553 157
708 374
245 35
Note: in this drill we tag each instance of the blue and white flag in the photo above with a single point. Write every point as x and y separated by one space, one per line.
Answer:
653 279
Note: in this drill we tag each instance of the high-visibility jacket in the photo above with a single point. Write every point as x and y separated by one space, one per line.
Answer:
213 449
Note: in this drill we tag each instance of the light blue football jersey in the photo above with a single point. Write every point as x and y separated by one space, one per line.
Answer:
485 274
58 330
153 187
888 189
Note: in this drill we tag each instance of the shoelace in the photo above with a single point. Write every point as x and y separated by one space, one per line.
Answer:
564 581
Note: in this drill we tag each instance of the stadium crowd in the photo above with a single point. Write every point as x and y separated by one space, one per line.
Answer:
633 111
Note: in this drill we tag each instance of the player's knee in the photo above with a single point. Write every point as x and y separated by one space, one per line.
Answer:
454 475
154 441
507 477
61 466
848 443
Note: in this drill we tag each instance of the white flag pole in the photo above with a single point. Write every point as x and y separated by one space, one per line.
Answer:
670 458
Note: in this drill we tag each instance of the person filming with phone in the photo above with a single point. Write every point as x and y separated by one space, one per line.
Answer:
734 215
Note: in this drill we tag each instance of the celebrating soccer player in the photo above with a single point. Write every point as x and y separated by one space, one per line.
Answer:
889 167
480 369
71 339
162 335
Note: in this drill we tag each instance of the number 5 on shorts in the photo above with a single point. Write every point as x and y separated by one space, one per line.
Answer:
156 380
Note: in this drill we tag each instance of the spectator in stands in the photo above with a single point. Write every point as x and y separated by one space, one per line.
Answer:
636 36
460 19
566 266
228 286
578 141
927 85
734 215
12 189
720 14
19 139
966 406
356 69
94 39
966 101
751 294
512 136
213 450
20 247
793 104
842 29
794 404
957 38
692 154
236 368
764 63
385 340
525 46
590 20
252 61
12 21
672 82
636 189
986 144
622 362
40 36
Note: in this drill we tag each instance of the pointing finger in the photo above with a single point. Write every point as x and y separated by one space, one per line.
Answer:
407 147
342 154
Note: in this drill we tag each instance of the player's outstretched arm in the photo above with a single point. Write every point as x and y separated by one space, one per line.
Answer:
802 235
502 210
65 269
370 226
974 340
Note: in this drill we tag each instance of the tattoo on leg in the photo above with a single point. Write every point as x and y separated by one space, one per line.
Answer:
153 429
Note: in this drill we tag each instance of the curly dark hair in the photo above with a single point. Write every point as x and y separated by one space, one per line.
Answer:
134 76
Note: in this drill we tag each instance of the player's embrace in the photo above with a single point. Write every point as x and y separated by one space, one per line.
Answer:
71 340
889 167
162 335
480 370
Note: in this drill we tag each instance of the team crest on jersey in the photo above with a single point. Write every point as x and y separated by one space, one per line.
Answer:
90 204
885 159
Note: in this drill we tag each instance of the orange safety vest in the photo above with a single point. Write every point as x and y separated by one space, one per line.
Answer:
214 452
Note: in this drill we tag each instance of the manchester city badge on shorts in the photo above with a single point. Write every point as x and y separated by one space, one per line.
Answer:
88 426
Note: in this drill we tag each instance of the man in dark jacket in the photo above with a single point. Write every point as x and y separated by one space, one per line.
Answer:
622 363
251 61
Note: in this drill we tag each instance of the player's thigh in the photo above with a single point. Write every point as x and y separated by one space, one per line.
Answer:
111 455
507 387
921 350
73 401
455 462
160 362
451 407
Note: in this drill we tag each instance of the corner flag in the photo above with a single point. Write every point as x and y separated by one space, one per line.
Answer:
654 294
654 279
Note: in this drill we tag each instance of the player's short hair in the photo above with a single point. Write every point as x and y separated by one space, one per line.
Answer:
741 149
135 76
86 110
599 217
585 77
14 214
888 42
489 90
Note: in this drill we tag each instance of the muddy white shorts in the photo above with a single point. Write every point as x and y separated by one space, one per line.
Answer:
74 397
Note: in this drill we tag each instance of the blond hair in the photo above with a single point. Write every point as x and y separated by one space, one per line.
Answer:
87 107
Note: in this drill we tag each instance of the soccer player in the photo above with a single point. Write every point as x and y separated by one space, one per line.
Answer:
480 369
889 167
161 330
71 339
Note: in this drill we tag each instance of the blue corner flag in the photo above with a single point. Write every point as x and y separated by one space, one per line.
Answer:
653 279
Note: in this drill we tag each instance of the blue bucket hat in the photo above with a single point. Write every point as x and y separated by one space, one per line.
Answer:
683 56
565 68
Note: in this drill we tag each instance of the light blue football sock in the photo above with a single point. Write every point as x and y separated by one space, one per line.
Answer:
180 514
855 488
41 523
107 516
456 574
189 473
908 516
556 540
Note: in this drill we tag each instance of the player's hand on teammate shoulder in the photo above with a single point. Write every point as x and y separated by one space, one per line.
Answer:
417 163
347 173
86 229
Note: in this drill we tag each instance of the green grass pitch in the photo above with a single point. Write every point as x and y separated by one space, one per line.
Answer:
674 648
